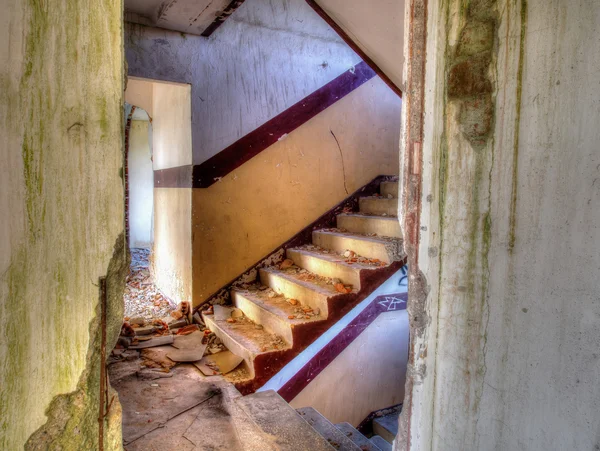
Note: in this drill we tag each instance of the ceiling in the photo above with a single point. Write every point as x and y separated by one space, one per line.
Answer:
377 27
200 17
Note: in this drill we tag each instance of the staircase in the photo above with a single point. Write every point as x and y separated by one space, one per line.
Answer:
274 318
304 429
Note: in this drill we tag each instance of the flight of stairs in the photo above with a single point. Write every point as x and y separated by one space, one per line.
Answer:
303 429
293 303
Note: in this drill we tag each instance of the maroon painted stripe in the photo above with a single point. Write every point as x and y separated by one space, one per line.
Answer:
178 177
235 4
320 361
238 153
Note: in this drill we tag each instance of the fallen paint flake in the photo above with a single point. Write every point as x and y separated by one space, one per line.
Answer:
223 362
156 341
187 355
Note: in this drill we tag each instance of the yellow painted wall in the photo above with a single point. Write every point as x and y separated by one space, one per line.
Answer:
266 201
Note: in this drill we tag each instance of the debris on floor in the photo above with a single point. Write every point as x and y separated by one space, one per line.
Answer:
142 298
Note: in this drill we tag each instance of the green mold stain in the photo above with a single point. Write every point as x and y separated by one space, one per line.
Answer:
515 174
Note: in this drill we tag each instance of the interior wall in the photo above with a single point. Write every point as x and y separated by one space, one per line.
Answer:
141 185
377 27
172 146
61 195
172 250
269 199
138 92
171 125
368 375
267 56
509 357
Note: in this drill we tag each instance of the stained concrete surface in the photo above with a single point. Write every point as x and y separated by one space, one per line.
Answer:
507 351
61 204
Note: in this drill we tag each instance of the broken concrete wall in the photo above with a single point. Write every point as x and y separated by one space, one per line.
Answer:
510 204
267 56
61 228
270 198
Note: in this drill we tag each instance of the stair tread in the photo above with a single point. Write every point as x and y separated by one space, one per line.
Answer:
334 257
333 435
278 419
317 283
381 443
278 306
246 334
386 426
359 439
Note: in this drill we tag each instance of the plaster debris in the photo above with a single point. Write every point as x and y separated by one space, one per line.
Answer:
143 300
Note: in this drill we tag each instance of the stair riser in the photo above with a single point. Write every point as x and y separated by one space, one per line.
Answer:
389 188
383 432
325 268
363 248
291 290
231 344
378 206
271 322
370 224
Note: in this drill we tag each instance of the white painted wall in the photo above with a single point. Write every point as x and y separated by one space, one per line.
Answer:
172 125
377 27
141 185
525 373
267 56
368 375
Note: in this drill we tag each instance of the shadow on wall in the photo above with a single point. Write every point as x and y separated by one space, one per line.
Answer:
139 181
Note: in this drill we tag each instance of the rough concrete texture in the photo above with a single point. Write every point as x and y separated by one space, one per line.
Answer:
267 56
61 195
507 221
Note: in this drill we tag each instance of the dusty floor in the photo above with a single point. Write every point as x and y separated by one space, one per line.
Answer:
178 410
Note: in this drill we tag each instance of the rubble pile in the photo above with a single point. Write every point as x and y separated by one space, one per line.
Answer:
142 297
157 345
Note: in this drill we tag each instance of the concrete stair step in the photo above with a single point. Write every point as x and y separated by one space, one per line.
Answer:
326 265
244 339
272 313
323 426
378 206
359 440
386 426
381 443
386 188
307 288
365 224
288 430
386 250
